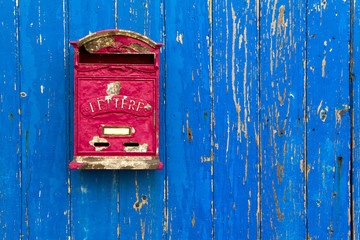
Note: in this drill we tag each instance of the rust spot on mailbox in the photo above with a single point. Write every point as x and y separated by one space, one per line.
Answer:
116 105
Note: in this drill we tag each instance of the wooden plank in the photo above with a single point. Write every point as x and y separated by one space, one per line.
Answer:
355 113
236 114
145 17
282 121
10 152
328 127
94 204
189 119
94 194
44 132
141 204
141 193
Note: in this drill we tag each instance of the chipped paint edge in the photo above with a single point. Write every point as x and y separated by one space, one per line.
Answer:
117 32
116 162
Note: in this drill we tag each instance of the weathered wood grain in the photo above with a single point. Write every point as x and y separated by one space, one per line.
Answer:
355 110
236 119
141 193
282 120
94 194
42 35
188 120
10 122
259 122
328 126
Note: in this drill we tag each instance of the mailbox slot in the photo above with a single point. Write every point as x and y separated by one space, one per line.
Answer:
116 58
116 122
101 144
131 144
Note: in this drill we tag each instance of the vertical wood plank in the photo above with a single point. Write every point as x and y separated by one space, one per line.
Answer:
43 109
236 114
94 194
282 56
189 119
328 130
10 150
355 92
141 193
141 204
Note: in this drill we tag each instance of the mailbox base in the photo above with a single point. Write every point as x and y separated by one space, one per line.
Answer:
115 162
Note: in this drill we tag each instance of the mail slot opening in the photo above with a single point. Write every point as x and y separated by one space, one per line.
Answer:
116 58
101 144
131 144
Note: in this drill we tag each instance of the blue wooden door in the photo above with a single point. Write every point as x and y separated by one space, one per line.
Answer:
259 115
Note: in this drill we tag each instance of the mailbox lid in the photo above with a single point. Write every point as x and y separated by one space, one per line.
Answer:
117 40
115 114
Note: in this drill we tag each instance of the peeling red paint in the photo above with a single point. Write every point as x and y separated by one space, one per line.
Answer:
161 165
74 166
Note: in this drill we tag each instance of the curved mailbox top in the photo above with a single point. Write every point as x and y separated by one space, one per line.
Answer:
122 41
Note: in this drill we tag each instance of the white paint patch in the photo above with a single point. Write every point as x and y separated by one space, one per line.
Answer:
240 40
113 88
97 139
323 4
341 113
179 37
228 137
319 107
42 88
323 65
83 189
140 148
236 100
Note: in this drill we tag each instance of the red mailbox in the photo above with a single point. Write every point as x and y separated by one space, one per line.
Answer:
116 101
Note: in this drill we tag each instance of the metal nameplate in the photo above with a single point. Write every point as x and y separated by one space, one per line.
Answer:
116 131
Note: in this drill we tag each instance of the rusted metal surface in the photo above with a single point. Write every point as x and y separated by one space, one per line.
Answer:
115 162
113 88
110 34
98 43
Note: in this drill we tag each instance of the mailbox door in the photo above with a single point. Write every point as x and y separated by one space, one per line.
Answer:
116 116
